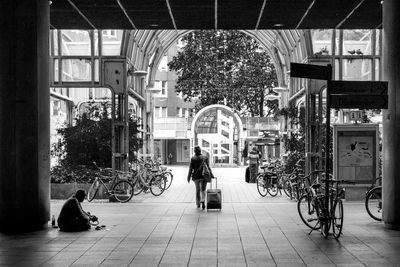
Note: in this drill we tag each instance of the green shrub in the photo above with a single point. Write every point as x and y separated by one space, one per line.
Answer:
77 174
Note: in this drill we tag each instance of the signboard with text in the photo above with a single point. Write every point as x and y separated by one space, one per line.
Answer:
358 94
355 152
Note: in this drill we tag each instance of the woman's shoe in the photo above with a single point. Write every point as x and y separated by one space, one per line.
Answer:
203 206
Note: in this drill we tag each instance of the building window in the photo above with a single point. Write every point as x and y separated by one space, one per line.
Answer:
357 42
102 93
56 107
357 69
164 88
157 112
110 33
163 112
322 42
163 64
179 112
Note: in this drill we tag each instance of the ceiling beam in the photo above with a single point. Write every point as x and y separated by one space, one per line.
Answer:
349 15
82 15
305 14
261 14
170 14
126 14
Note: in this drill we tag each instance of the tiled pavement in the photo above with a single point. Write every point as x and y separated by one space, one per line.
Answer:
169 231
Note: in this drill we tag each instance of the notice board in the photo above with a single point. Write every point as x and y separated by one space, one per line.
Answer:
356 152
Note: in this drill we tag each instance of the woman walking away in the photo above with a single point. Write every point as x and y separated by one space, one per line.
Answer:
195 172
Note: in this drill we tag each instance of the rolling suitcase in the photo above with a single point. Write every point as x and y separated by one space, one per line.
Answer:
214 197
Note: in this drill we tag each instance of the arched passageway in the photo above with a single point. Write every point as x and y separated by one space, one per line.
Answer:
219 132
25 163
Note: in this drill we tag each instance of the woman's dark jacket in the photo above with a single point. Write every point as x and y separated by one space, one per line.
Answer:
195 163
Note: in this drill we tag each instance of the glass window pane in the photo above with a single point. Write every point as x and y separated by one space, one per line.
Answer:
322 40
357 42
377 66
96 42
96 71
56 70
76 70
337 45
377 43
75 43
163 66
111 42
54 44
357 69
337 66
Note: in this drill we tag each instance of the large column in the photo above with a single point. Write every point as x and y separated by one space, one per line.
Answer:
24 115
391 117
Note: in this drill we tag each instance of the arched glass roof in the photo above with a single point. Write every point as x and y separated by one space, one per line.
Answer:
146 48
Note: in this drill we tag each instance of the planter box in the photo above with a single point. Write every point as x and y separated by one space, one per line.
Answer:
64 191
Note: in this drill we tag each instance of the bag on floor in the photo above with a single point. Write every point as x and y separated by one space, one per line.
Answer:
247 175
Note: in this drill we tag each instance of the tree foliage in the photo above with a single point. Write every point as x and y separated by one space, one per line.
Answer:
225 67
89 139
294 142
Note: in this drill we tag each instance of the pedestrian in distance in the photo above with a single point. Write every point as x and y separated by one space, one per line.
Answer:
170 159
197 162
72 217
254 159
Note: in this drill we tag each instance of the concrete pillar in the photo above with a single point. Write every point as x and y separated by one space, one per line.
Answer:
24 115
391 117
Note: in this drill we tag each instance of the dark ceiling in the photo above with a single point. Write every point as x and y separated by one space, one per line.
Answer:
216 14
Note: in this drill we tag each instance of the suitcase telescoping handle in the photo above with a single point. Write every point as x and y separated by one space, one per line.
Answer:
216 182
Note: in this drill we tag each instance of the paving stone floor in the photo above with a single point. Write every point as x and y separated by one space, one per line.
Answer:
170 231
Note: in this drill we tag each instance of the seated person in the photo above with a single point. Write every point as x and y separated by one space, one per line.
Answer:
72 217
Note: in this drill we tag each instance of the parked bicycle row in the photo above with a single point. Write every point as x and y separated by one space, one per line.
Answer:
142 176
316 210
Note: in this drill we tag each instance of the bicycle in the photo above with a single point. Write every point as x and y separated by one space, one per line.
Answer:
267 182
330 216
306 206
162 169
272 180
373 200
144 178
122 190
294 183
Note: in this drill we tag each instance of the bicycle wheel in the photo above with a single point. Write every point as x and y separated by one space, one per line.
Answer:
261 185
337 220
373 203
123 191
287 189
308 213
137 186
157 185
272 187
94 188
168 179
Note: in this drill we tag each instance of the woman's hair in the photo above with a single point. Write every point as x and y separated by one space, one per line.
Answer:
197 150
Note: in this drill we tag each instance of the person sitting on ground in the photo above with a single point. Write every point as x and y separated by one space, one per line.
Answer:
72 217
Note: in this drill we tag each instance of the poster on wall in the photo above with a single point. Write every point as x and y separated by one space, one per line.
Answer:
355 152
